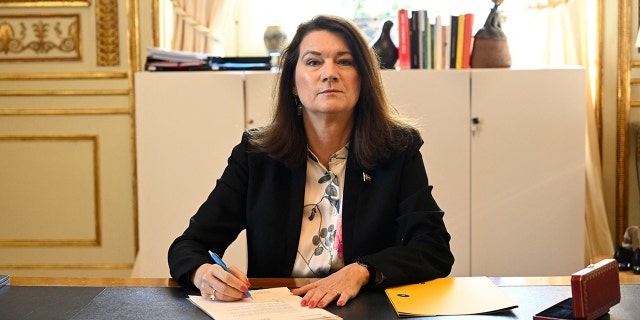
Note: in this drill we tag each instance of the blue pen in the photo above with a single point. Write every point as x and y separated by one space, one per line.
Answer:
217 259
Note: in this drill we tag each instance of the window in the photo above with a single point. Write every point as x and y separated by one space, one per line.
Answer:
244 33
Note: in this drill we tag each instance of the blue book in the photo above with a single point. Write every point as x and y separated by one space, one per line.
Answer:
426 40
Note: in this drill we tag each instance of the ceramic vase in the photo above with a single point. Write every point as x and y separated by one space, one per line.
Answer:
385 48
274 39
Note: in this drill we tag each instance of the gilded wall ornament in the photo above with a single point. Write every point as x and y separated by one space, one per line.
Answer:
108 45
42 38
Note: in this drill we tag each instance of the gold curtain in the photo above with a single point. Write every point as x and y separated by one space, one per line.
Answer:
198 25
554 33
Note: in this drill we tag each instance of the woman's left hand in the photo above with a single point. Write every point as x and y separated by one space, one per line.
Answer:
342 286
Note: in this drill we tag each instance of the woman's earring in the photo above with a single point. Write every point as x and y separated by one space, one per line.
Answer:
299 108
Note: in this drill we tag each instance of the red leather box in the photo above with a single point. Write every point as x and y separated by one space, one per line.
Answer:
594 290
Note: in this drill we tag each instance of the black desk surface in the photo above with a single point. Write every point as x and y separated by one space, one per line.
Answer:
63 302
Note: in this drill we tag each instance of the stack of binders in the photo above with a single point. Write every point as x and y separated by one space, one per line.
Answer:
169 60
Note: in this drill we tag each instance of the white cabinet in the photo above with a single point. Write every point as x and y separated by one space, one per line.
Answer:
438 101
528 168
512 187
512 191
186 125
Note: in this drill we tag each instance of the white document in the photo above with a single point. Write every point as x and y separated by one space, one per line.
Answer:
175 55
274 303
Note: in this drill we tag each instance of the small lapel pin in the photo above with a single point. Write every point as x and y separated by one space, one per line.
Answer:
366 177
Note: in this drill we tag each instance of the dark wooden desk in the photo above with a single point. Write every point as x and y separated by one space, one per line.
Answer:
133 298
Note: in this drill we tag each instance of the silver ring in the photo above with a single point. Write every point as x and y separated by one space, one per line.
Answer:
212 296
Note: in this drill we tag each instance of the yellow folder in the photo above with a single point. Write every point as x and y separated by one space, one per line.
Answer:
449 296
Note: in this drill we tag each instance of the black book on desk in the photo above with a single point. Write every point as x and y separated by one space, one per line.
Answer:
4 280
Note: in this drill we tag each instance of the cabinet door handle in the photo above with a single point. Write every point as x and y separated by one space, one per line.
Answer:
475 125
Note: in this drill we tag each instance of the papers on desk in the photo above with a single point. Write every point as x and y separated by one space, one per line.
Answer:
449 296
178 56
273 303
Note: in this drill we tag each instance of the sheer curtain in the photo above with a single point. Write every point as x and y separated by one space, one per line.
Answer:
556 32
198 25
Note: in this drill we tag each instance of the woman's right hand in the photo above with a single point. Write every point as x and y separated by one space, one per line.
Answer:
215 283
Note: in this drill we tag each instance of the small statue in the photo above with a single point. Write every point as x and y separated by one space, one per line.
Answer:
490 47
385 48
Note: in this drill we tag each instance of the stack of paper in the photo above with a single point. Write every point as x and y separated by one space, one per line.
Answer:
171 60
179 56
267 304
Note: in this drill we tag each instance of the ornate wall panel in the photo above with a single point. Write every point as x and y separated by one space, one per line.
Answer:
65 193
40 37
67 175
35 34
64 216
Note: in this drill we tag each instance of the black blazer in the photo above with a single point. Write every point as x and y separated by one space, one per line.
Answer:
390 219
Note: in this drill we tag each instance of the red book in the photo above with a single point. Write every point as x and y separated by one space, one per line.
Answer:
404 42
467 40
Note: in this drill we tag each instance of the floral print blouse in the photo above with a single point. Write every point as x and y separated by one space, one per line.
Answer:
320 247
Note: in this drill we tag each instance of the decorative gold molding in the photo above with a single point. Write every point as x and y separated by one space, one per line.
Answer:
107 33
623 110
64 112
134 66
599 72
156 23
96 193
49 243
64 93
40 37
635 81
44 3
68 266
63 76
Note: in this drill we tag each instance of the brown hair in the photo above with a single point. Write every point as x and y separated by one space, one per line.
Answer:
377 130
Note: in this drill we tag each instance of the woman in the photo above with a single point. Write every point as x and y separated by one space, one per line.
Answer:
334 187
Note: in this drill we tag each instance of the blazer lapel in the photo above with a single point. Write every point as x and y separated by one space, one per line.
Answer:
353 186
